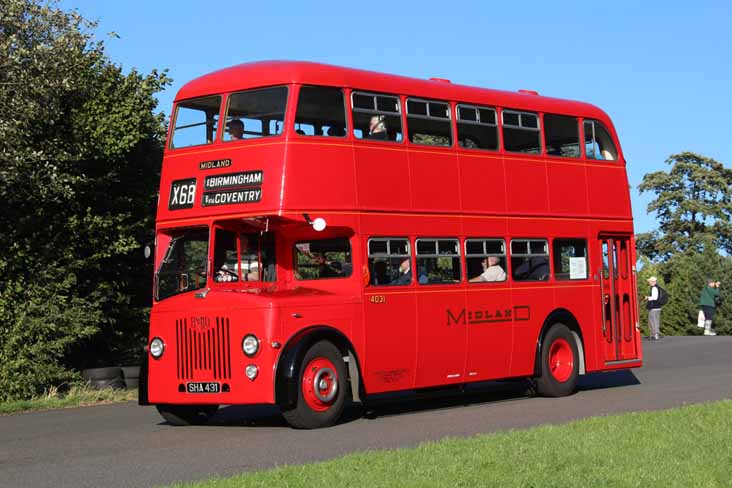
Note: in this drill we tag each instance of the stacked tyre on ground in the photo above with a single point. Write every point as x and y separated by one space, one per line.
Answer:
118 378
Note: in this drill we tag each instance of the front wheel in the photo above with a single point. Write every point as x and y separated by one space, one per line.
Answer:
187 414
321 388
559 363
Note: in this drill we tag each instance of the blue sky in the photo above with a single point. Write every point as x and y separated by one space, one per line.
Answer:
661 70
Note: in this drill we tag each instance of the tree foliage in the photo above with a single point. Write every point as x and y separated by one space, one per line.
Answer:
80 152
693 204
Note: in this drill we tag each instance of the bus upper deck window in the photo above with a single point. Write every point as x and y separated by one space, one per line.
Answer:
521 132
320 112
477 128
376 117
598 143
255 113
428 122
196 122
561 136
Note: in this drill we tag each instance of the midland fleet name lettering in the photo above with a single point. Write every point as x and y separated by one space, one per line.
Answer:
232 180
218 163
232 196
518 313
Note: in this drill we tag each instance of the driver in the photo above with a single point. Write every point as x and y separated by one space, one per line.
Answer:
249 263
249 259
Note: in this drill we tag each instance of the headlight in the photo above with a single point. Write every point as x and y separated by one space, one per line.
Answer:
250 345
252 371
157 346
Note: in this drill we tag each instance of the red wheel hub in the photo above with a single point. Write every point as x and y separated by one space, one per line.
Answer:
561 360
320 384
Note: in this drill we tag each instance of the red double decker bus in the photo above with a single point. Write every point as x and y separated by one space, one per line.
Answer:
327 234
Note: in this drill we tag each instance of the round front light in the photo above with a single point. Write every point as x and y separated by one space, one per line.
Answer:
157 346
250 345
252 371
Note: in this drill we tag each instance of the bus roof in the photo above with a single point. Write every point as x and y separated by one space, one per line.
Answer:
268 73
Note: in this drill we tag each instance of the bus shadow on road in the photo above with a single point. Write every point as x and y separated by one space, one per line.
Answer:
249 416
404 403
610 379
487 393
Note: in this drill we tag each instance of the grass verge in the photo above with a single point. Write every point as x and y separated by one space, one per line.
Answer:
688 446
76 396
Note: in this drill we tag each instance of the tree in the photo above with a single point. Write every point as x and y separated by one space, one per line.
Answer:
80 152
693 204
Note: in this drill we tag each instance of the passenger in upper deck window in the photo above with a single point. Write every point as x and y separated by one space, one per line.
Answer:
235 128
377 128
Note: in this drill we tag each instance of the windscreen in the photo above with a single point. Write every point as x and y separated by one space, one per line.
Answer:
255 113
196 122
185 264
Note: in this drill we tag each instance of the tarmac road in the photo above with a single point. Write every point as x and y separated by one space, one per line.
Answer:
126 445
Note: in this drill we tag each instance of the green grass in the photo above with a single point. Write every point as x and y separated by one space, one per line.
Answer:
76 396
689 447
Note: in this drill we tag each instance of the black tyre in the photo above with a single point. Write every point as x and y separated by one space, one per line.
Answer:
115 383
559 363
187 414
322 388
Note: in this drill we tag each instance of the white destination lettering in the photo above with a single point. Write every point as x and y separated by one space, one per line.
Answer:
235 179
229 197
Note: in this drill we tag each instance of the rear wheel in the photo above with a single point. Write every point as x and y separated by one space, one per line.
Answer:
187 414
559 363
321 388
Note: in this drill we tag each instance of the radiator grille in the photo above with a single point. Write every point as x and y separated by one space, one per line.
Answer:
206 351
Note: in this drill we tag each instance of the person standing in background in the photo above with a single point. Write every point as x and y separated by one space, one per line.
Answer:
654 310
708 301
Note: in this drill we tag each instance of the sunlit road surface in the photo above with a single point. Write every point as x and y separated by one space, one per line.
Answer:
126 445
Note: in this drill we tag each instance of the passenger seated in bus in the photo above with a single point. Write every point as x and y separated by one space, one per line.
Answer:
336 131
492 271
554 149
405 274
539 268
469 143
377 128
535 268
235 128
